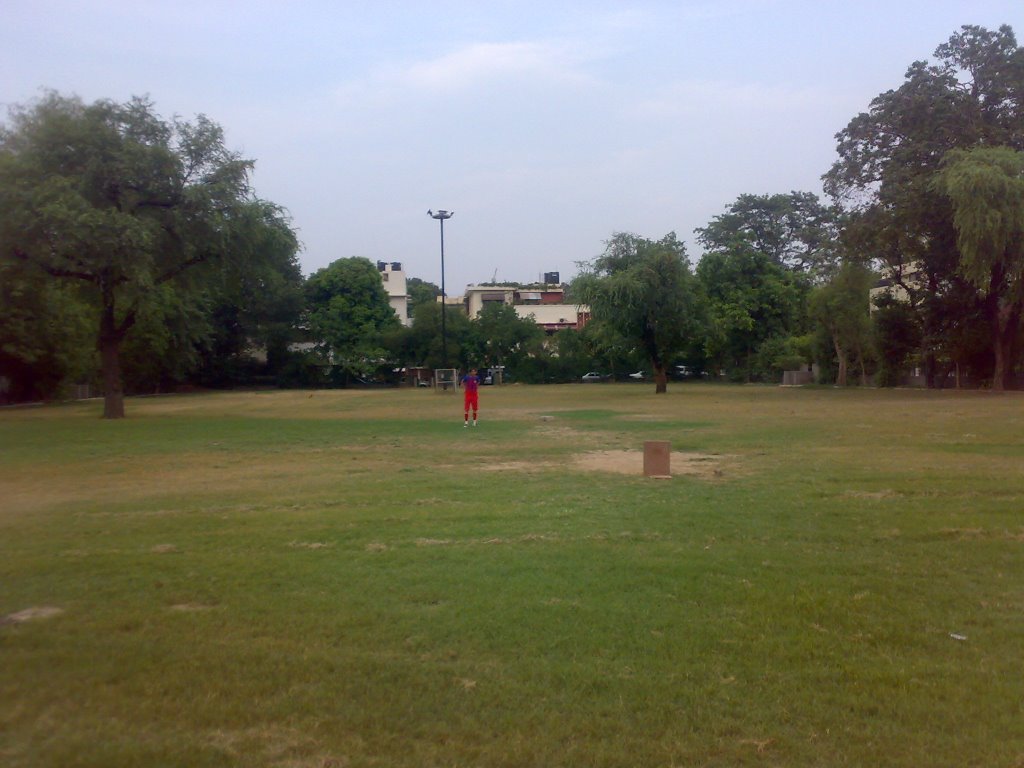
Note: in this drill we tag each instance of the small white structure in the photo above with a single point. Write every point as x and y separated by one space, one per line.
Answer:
393 277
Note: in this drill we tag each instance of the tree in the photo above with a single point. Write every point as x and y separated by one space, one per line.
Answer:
897 336
421 292
347 313
986 187
841 309
751 299
503 337
115 198
254 306
45 330
421 344
795 231
973 95
644 290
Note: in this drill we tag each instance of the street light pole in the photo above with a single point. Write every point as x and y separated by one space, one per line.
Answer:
441 216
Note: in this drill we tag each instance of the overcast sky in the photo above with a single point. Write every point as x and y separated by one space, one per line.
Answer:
545 126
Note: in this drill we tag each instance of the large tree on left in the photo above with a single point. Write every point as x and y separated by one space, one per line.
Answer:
126 204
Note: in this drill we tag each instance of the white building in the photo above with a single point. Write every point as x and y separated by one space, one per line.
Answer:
393 277
544 304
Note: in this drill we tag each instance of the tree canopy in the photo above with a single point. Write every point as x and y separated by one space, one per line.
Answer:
986 188
113 197
971 96
644 290
348 313
795 231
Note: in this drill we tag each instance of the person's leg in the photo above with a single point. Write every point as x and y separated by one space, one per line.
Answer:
465 408
476 406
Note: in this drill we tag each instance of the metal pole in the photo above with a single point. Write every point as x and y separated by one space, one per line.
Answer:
441 216
444 307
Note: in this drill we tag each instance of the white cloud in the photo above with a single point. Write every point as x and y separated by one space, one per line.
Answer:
698 96
480 63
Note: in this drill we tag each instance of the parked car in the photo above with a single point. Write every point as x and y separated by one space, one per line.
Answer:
638 376
683 372
593 376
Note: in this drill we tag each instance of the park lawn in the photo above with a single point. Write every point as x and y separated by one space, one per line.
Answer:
351 578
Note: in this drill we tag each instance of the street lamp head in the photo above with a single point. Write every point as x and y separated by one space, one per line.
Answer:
441 215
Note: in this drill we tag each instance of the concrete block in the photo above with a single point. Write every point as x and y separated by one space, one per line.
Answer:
657 455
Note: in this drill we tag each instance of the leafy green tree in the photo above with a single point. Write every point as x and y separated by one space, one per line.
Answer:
986 187
644 290
164 346
841 309
421 344
420 292
503 337
796 231
45 334
113 197
254 306
347 314
889 155
897 336
612 351
751 300
779 354
570 354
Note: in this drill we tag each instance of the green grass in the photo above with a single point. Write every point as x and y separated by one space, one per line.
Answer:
353 579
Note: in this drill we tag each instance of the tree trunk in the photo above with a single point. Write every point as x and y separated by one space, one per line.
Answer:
927 337
660 379
113 390
1005 318
841 357
110 358
999 371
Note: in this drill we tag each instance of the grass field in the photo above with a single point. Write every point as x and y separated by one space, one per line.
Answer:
350 578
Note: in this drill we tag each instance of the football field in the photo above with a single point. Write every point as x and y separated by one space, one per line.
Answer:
352 578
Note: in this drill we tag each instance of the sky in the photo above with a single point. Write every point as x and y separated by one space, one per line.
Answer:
547 127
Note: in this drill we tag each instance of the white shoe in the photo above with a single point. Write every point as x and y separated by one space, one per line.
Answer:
465 424
474 422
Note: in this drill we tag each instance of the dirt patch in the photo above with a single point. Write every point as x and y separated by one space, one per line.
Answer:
31 614
707 465
191 607
519 466
886 493
632 463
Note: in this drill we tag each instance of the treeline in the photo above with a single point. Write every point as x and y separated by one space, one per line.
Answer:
134 256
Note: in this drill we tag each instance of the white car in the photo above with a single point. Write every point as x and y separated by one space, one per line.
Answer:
638 376
593 376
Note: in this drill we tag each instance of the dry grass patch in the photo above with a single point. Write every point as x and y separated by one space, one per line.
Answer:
690 464
140 479
31 614
632 463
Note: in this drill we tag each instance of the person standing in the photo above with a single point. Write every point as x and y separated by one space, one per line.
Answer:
470 396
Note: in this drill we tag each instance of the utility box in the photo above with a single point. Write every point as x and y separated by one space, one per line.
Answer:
657 455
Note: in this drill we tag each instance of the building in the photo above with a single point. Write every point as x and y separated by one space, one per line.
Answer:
393 277
893 281
544 304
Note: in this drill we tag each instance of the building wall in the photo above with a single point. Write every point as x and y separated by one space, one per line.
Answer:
545 305
554 317
393 277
